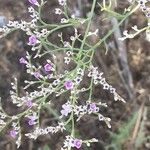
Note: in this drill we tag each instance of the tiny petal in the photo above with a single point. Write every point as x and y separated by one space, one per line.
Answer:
92 106
31 122
34 2
29 103
13 133
58 11
48 67
37 75
66 109
68 84
62 2
22 61
32 40
77 143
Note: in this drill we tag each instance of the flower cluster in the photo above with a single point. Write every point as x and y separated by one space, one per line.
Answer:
71 142
76 143
15 133
43 131
144 7
2 119
81 110
99 79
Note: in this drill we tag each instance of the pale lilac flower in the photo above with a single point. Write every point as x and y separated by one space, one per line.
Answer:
37 75
13 133
68 84
32 120
66 109
34 2
29 103
93 106
77 143
22 61
48 67
32 40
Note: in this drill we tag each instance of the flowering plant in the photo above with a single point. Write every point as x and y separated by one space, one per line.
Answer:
51 82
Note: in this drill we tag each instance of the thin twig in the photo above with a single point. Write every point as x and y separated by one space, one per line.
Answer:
138 122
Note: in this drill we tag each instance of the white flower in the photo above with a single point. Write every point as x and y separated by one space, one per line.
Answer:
66 44
31 9
62 2
58 11
44 32
126 35
72 38
78 79
93 33
69 53
63 20
56 82
67 60
2 122
106 86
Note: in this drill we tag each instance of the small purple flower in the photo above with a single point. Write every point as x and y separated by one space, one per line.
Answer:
77 143
34 2
29 103
22 61
37 75
68 84
13 133
66 109
32 40
93 107
48 67
32 120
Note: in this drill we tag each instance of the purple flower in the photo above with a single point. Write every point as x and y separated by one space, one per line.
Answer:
93 107
32 120
29 103
13 133
66 109
48 67
77 143
68 84
22 61
32 40
34 2
37 75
